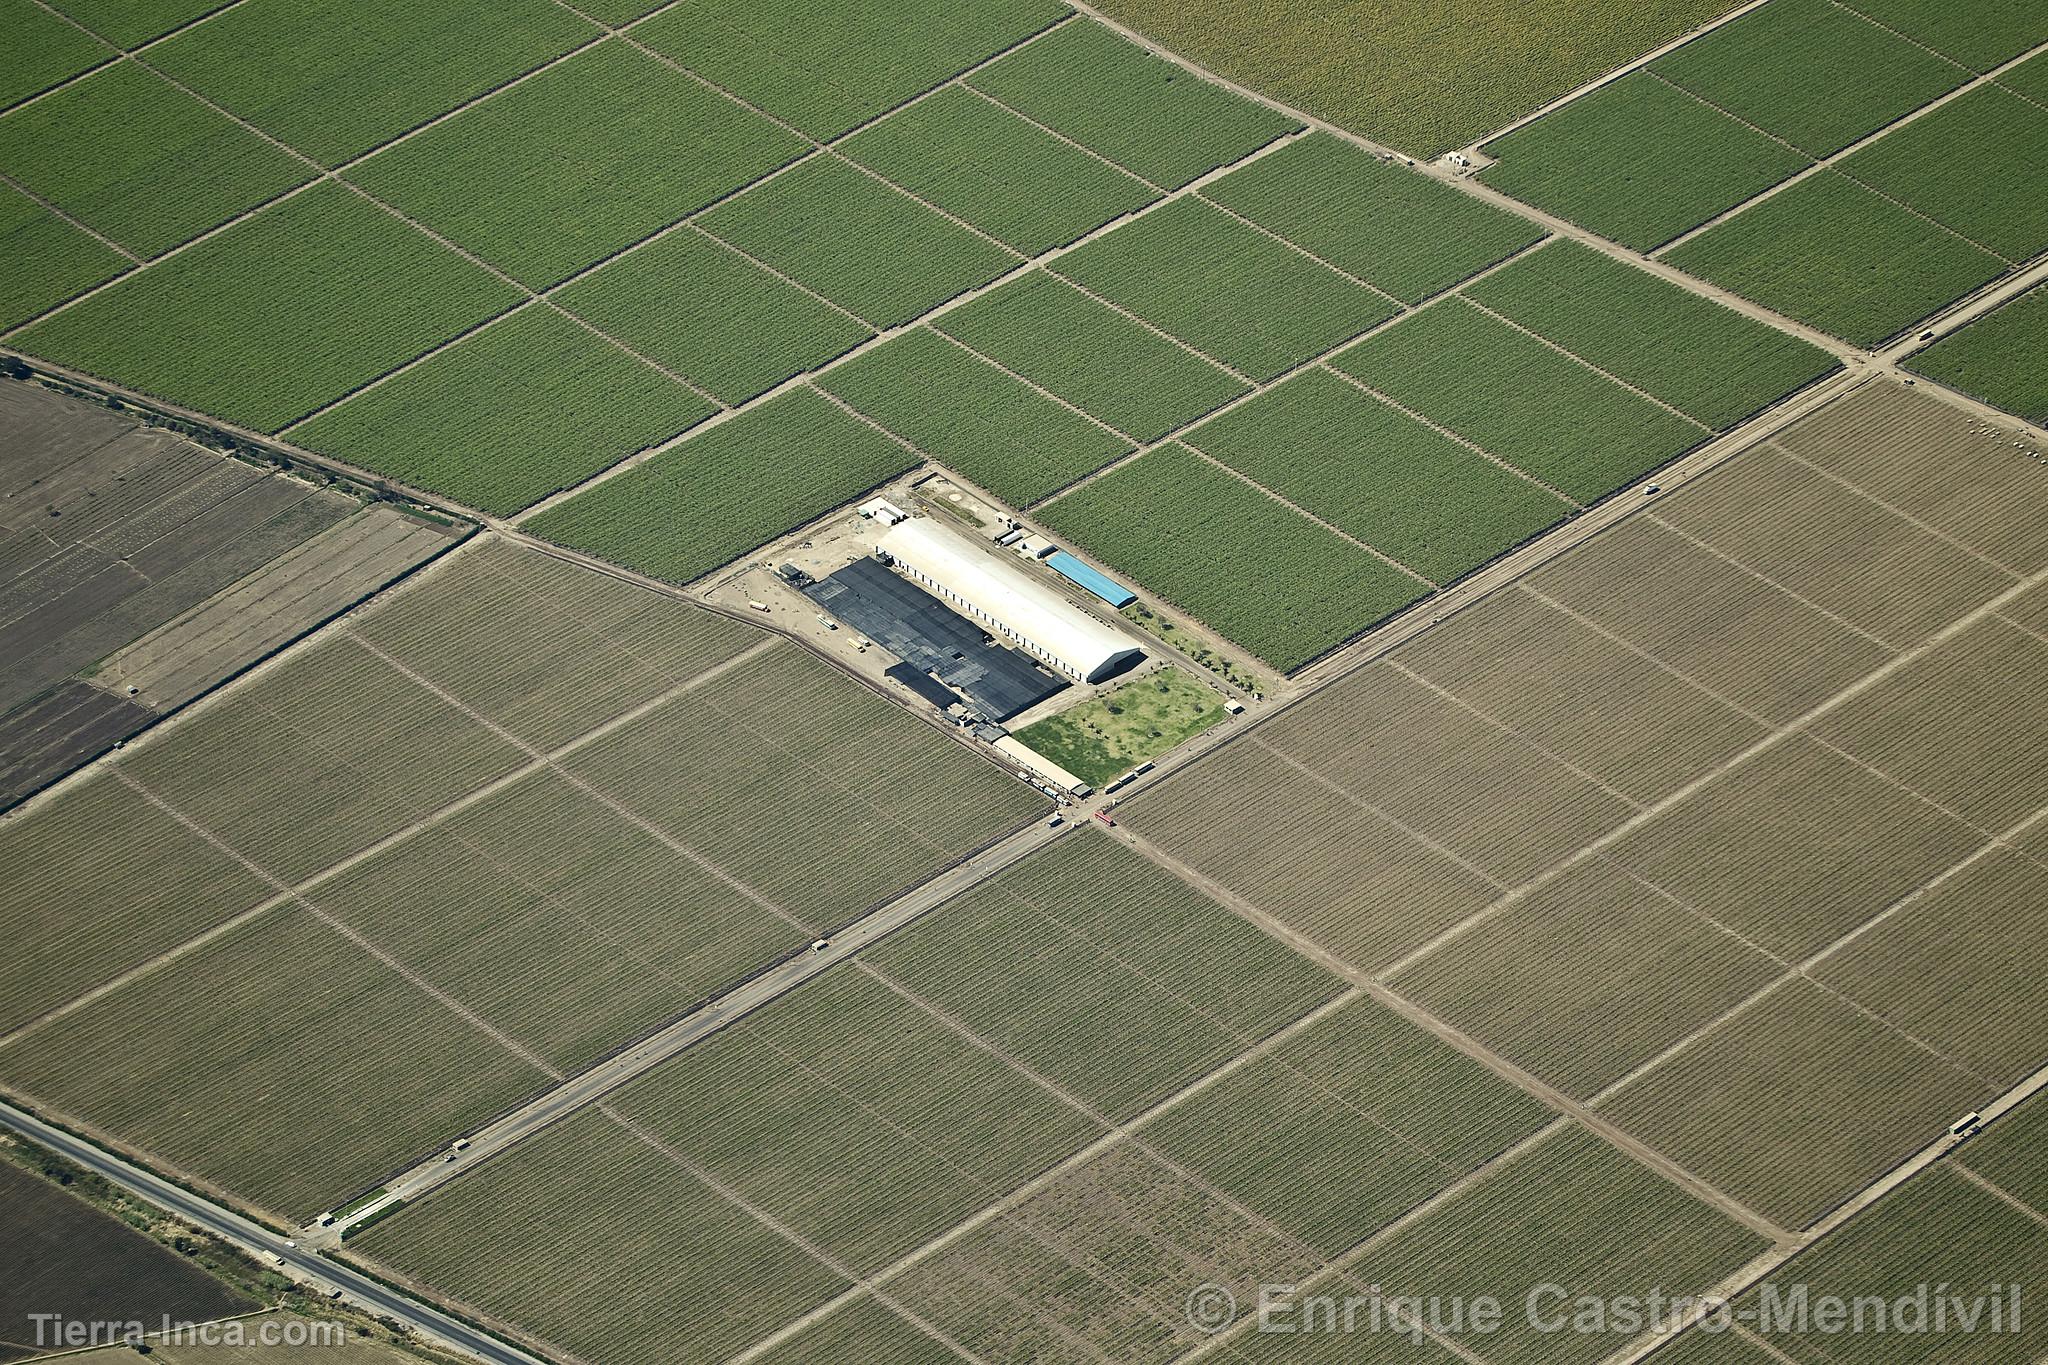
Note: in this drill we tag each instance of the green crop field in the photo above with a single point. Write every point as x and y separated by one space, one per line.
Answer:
1256 570
1936 165
825 798
1507 393
1420 75
263 1062
1386 478
550 915
700 308
1100 361
1810 72
863 1329
281 315
1103 972
1939 1234
1774 1136
1100 739
127 23
1019 184
581 161
1707 361
55 260
828 68
1998 357
970 416
1403 232
2029 78
537 1237
1587 162
856 1117
44 51
317 78
1831 253
1571 1211
1139 110
1224 288
1979 36
500 420
318 759
871 249
1346 1125
728 489
98 882
545 648
130 156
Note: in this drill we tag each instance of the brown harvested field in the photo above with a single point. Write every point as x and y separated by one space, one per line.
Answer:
1935 463
60 1255
1570 1211
2029 610
1339 1129
1714 1348
1725 629
1962 967
1587 977
605 1246
1757 1105
273 606
1835 547
2008 1153
280 1061
545 648
1966 724
1255 824
1602 706
318 759
565 925
98 881
1938 1232
64 728
1094 1266
1794 847
863 1329
856 1117
1104 973
1395 744
820 794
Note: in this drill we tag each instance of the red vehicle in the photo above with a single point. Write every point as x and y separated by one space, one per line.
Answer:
1104 816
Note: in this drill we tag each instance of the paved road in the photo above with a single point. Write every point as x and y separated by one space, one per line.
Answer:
358 1289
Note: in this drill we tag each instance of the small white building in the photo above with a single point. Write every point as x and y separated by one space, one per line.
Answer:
999 594
882 510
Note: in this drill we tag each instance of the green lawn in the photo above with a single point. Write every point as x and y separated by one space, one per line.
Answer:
1101 739
129 155
1404 232
280 314
1507 393
871 249
736 486
577 163
1015 182
500 420
705 311
1831 253
1225 289
314 75
1139 110
1110 367
969 415
1398 485
1637 161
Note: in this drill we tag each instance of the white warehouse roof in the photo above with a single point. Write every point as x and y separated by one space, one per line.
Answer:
999 593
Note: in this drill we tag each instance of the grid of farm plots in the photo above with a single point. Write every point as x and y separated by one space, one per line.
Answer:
1246 365
1856 165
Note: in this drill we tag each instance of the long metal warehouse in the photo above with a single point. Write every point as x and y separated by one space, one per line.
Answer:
1004 597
